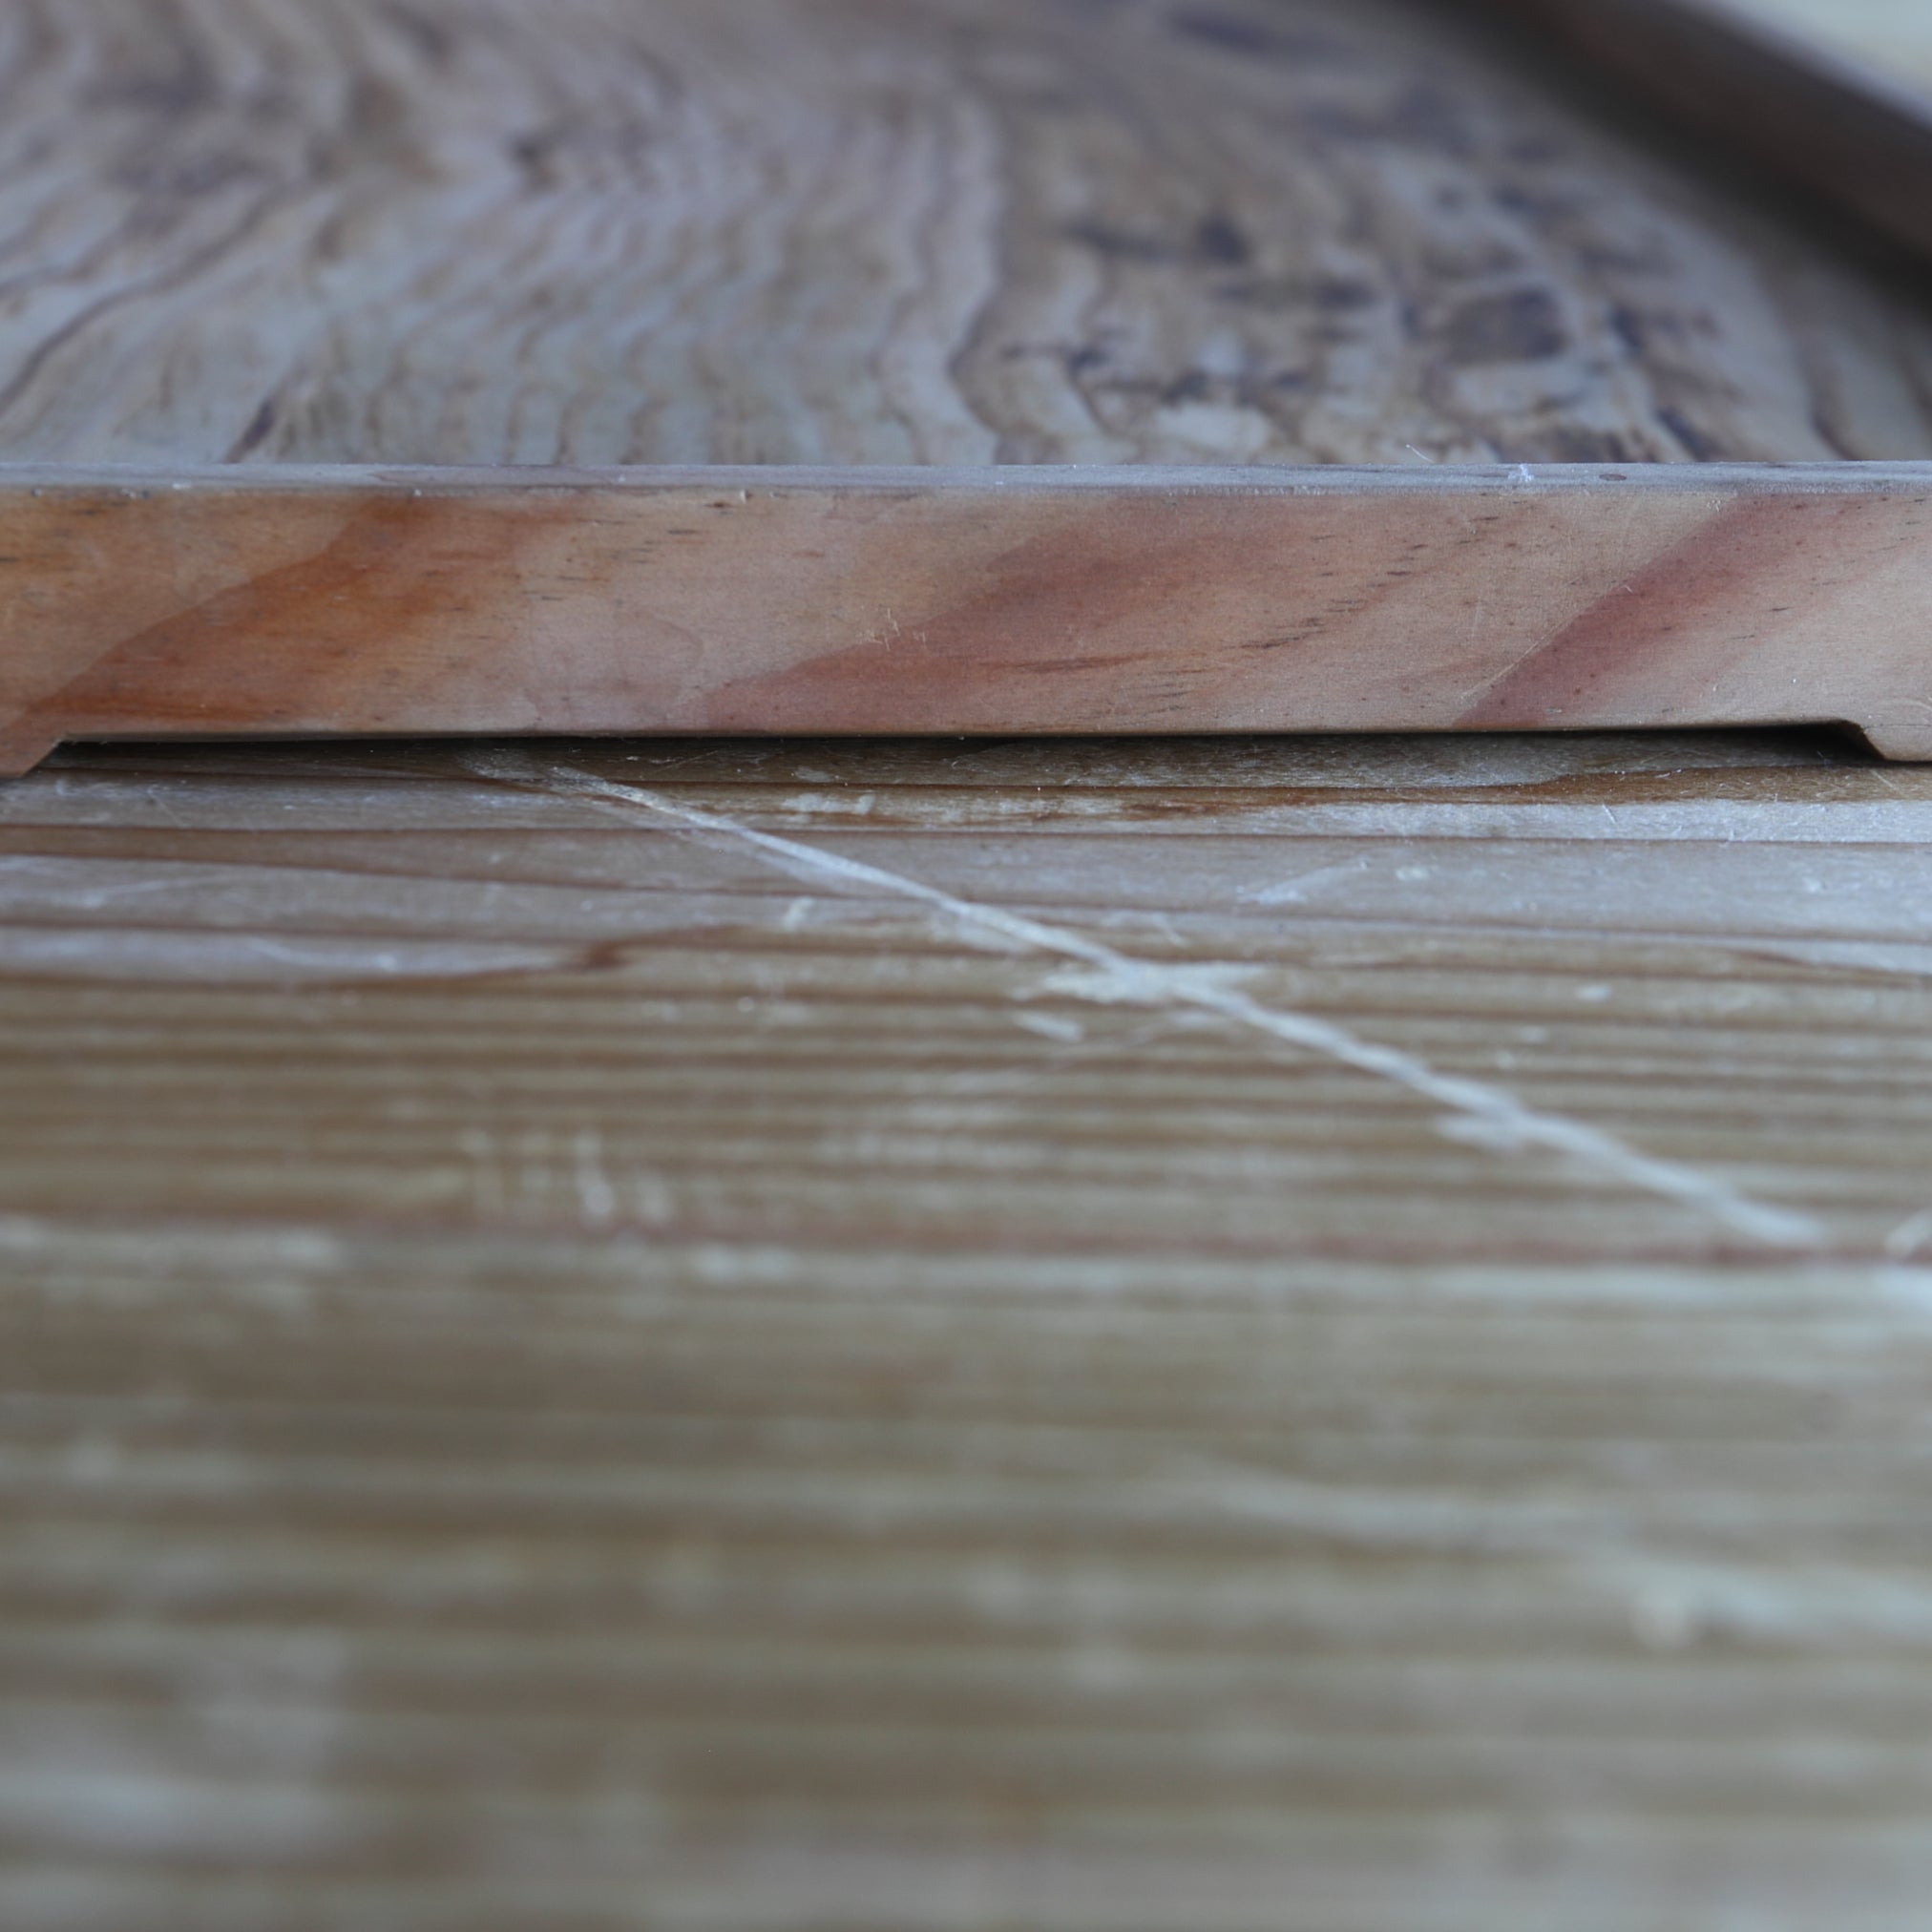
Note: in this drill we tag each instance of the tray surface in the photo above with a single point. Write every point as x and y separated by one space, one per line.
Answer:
888 231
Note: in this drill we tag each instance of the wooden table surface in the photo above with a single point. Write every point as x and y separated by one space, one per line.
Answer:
1323 1334
1316 1336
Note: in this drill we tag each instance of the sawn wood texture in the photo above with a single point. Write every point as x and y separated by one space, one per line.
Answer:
1254 1336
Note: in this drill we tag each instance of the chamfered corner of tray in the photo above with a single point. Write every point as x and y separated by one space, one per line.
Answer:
1897 741
21 749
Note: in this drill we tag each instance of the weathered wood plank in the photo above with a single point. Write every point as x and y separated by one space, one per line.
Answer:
896 1334
972 602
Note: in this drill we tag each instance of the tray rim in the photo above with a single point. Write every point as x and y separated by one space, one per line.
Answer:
265 599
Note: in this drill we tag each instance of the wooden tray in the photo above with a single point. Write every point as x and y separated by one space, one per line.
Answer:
939 366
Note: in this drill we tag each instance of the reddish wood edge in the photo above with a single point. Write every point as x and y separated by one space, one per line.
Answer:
353 602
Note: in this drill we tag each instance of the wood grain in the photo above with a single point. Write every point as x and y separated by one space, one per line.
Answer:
976 602
852 232
1319 1336
1240 1335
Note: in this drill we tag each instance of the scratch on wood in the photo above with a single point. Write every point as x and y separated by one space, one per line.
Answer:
1473 1111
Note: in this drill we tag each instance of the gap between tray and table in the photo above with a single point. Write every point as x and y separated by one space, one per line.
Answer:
374 602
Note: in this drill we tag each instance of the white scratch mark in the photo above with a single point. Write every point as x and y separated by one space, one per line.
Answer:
1516 663
1909 1236
1051 1026
480 1149
594 1194
1296 891
310 957
1471 1110
820 803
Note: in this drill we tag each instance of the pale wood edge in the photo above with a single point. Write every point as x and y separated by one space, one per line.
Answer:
1135 479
